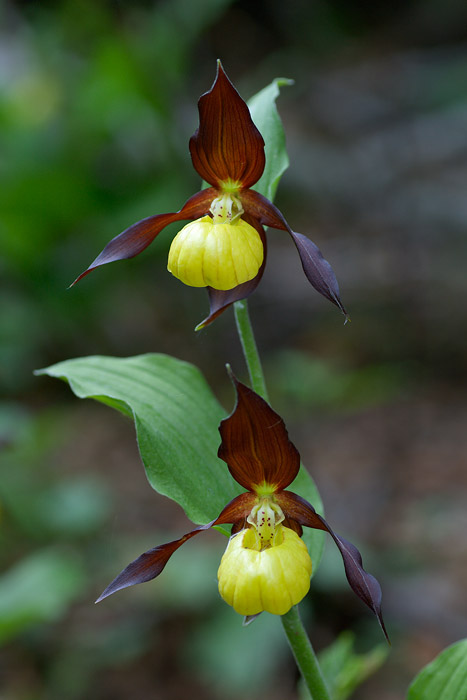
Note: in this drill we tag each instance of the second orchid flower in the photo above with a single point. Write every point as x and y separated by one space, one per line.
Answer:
266 566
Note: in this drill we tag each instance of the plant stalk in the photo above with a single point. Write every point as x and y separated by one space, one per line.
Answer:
300 645
250 349
304 655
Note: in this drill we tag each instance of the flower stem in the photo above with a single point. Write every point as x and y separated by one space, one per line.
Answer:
304 655
250 349
299 643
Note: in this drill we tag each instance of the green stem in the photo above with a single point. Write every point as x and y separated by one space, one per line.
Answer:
304 655
296 635
250 349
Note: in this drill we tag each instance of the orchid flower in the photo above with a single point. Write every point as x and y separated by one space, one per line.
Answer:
266 566
224 246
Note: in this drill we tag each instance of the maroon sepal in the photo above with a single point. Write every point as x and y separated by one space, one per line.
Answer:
152 563
363 584
135 239
227 145
220 300
255 443
317 270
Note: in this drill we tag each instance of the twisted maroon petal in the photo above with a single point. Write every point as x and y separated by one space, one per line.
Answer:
136 238
317 270
152 563
255 443
227 145
363 584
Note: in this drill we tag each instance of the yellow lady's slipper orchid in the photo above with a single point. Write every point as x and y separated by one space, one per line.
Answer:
227 151
266 566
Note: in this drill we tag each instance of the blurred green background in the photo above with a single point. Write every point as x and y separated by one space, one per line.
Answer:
97 103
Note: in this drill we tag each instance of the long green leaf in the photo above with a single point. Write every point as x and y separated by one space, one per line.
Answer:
264 114
445 678
176 418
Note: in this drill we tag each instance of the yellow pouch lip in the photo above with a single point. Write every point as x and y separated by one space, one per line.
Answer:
217 255
272 580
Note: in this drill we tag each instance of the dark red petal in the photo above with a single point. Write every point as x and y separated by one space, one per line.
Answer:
255 443
237 509
227 145
151 563
219 300
363 584
136 238
317 270
258 206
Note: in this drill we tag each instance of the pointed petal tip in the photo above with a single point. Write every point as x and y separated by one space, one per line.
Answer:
383 627
105 594
220 73
80 277
248 619
202 325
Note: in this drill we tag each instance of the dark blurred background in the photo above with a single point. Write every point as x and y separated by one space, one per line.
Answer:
97 103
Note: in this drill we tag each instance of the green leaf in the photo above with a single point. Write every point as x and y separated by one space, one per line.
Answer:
264 114
38 589
445 678
304 485
344 670
176 418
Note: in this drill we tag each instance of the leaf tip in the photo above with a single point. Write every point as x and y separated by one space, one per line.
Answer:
232 376
284 82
